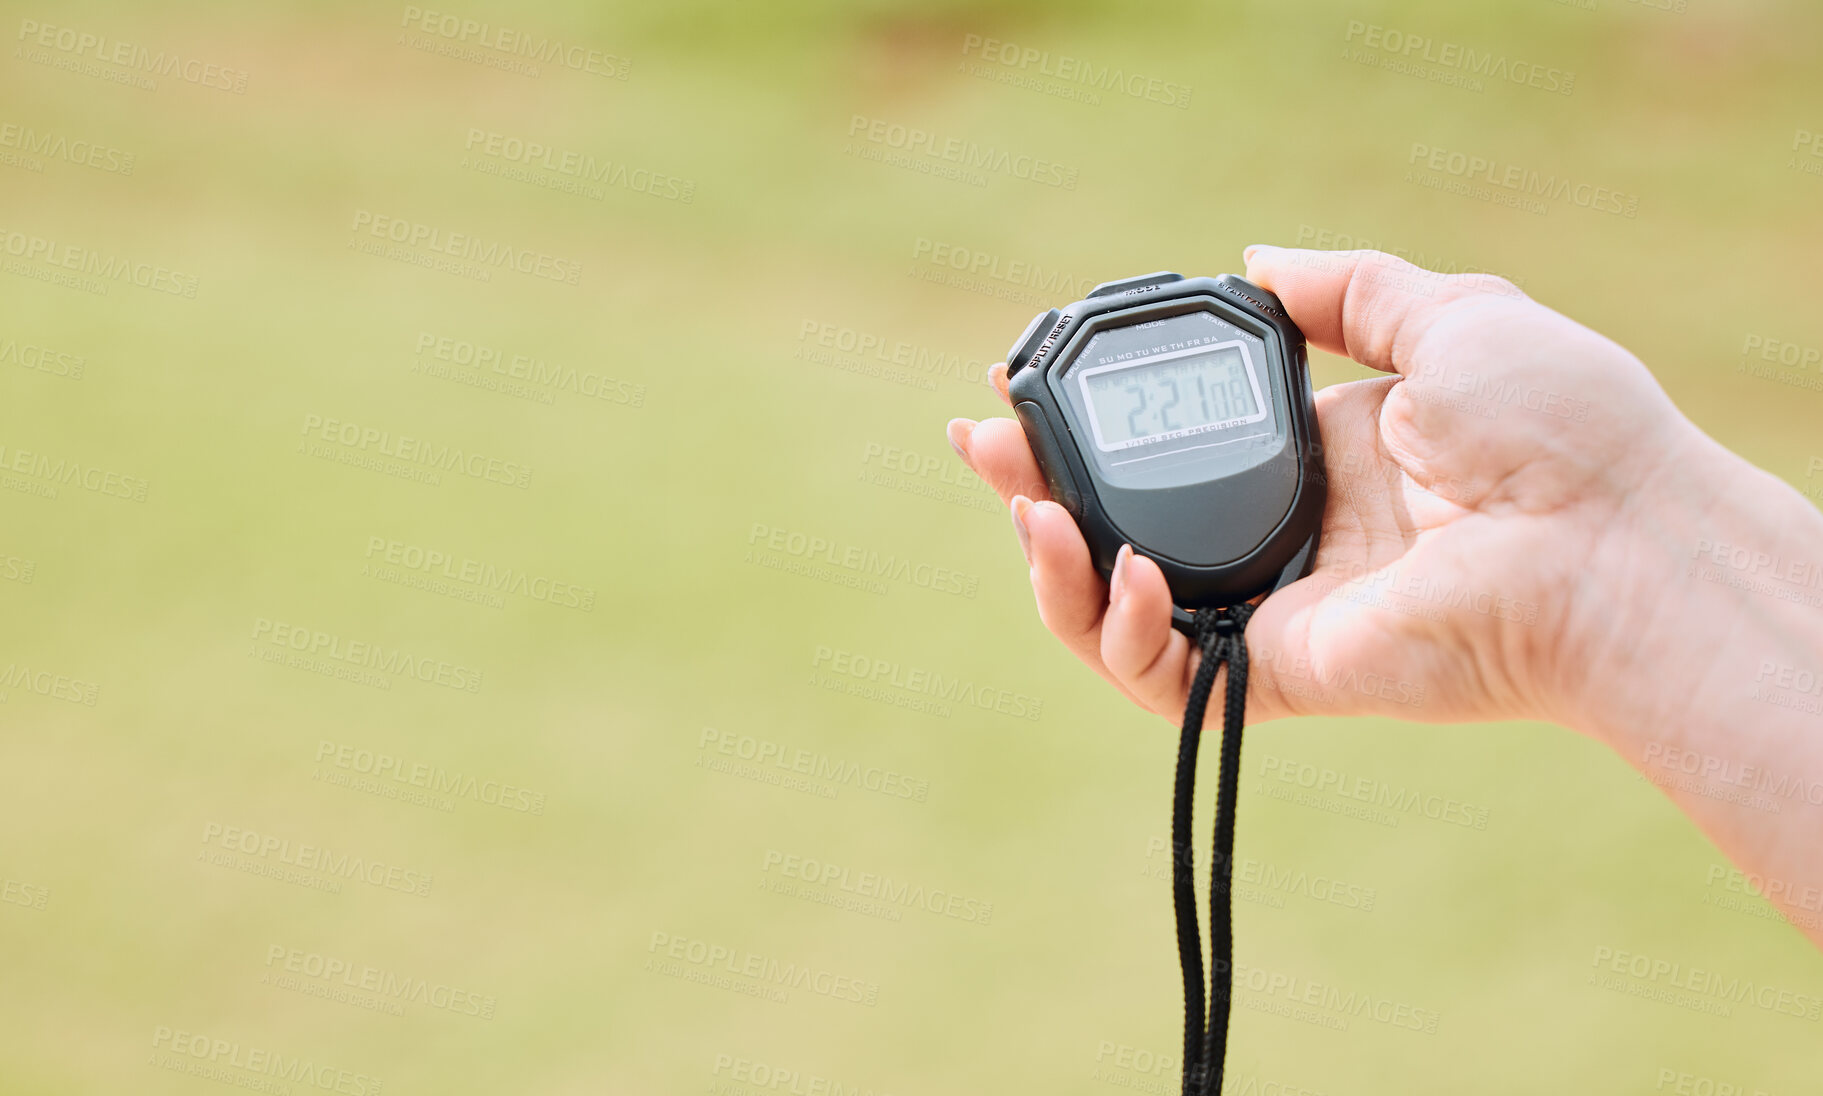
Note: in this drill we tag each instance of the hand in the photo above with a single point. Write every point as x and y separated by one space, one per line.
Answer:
1483 501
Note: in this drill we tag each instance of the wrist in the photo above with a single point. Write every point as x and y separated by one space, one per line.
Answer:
1712 570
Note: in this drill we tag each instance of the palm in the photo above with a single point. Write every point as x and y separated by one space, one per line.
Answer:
1467 501
1407 561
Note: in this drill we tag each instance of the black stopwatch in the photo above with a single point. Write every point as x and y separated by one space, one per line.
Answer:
1175 414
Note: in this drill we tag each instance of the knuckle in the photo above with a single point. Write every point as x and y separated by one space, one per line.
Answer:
1483 285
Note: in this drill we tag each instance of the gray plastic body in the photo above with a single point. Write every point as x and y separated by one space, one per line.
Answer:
1228 509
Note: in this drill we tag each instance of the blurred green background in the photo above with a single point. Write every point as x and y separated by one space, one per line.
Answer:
730 323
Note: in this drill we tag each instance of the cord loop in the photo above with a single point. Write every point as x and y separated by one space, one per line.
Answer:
1221 636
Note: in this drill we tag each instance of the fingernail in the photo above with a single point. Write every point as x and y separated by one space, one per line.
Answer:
1117 582
958 432
1247 253
998 380
1022 506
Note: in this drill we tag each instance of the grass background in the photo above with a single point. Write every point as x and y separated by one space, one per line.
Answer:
103 808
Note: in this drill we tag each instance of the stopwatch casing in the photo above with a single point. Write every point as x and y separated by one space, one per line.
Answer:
1176 415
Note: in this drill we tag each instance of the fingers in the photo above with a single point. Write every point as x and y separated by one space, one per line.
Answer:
997 451
1155 663
1127 638
1286 676
1366 304
996 376
1379 499
1070 591
1138 644
1071 595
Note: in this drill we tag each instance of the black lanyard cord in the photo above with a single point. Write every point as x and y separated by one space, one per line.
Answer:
1220 633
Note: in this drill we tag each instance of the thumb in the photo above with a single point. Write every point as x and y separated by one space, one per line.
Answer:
1366 305
1312 653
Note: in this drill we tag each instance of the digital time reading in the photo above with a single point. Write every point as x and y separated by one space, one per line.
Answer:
1176 394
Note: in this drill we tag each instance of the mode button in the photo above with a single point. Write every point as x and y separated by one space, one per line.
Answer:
1144 281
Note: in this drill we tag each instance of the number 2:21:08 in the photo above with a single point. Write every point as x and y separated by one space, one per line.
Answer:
1160 396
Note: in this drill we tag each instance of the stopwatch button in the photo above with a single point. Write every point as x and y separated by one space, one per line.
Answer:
1035 331
1144 281
1050 456
1265 299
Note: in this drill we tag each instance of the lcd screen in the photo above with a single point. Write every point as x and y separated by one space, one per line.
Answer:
1173 395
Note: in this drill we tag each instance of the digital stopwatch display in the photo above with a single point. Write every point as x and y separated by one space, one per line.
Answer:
1176 415
1201 391
1178 400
